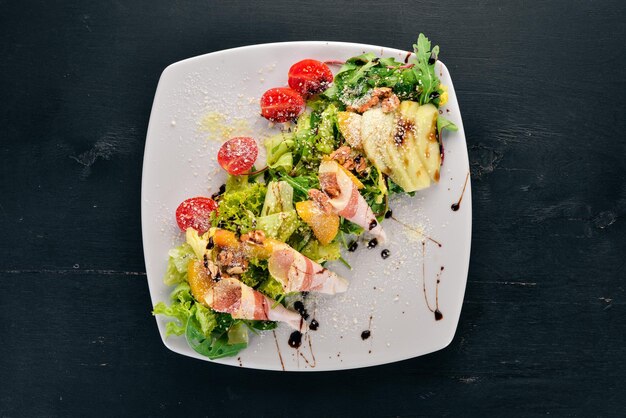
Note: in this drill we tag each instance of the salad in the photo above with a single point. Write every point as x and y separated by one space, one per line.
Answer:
345 143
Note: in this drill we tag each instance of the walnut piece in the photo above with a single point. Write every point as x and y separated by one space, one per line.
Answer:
255 237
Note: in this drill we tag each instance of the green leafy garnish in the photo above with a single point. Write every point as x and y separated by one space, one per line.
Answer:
416 80
424 69
239 206
179 257
443 123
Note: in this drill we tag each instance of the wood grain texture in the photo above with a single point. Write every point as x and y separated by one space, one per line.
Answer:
541 88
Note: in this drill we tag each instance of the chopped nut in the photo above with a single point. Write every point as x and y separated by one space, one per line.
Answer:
232 262
212 268
390 104
235 270
374 98
349 159
360 163
341 154
256 237
225 257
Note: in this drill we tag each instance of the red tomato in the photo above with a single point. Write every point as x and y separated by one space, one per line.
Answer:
281 104
194 213
237 155
310 77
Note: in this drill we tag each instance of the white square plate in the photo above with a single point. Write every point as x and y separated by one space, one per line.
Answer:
203 100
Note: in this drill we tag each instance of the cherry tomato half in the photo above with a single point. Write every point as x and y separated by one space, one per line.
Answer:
237 155
310 77
281 104
195 213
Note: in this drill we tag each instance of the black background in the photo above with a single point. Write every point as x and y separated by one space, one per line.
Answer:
541 88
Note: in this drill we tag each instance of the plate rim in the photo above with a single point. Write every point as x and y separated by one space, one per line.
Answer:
147 149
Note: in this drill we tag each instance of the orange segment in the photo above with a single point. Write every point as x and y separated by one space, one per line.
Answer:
223 238
355 180
199 281
261 252
324 225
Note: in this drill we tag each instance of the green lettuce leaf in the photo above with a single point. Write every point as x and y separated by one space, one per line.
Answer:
272 288
321 253
279 155
326 139
214 346
197 242
443 123
240 206
279 198
179 257
182 307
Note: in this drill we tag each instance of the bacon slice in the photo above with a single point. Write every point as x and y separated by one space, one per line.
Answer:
346 199
229 295
298 273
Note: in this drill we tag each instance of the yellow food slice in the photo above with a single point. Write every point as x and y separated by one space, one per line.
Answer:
426 137
199 280
324 225
223 238
349 124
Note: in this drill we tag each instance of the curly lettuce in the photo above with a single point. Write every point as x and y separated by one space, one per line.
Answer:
240 205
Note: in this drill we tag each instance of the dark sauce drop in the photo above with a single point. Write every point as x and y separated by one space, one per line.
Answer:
353 246
314 325
366 334
389 214
385 253
438 315
457 205
219 192
372 243
299 306
373 224
210 244
295 339
432 59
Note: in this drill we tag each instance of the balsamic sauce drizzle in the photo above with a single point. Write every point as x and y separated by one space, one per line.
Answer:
435 310
456 206
282 363
416 230
313 362
296 337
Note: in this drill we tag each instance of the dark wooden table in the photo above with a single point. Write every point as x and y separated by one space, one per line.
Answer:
541 87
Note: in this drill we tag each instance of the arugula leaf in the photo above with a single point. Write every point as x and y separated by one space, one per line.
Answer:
301 185
424 69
